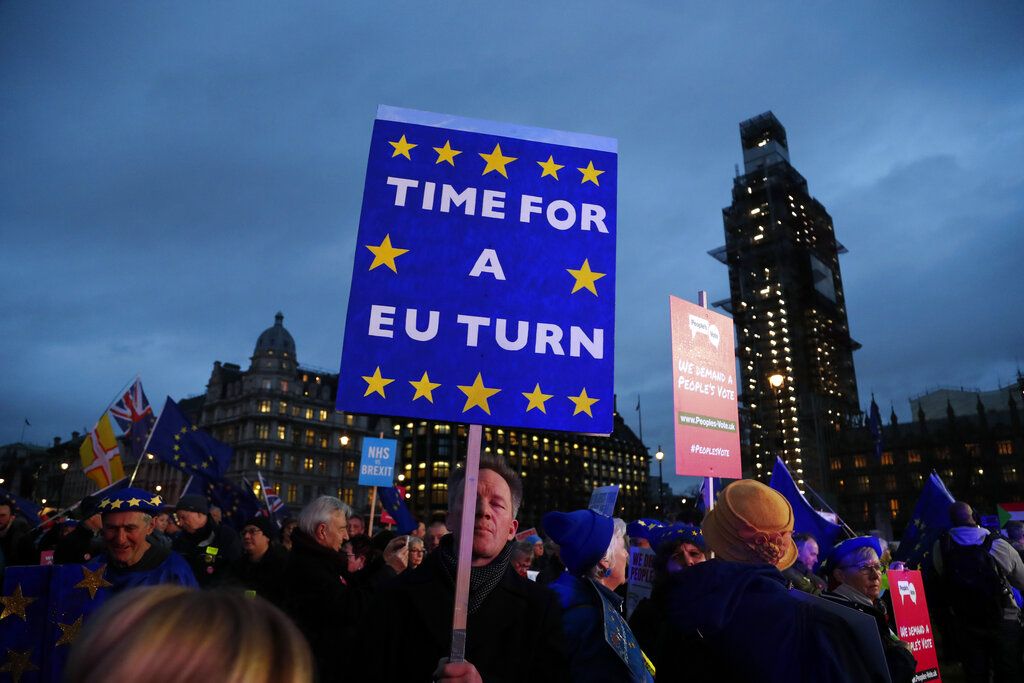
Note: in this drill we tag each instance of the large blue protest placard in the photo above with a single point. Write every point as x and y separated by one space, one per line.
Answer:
377 464
483 288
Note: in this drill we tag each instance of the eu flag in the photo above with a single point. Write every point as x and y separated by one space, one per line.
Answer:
930 519
805 518
238 504
43 611
180 443
392 501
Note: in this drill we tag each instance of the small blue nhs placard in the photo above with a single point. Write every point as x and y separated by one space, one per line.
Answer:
483 286
377 464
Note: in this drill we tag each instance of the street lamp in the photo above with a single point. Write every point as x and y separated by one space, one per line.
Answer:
776 380
64 466
659 456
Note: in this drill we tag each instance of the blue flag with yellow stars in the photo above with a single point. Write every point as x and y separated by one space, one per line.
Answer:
44 608
178 442
391 499
483 288
806 519
930 519
238 504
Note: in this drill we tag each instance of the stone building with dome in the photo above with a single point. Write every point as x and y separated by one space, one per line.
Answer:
280 418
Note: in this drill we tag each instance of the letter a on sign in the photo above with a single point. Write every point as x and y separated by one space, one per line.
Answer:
488 262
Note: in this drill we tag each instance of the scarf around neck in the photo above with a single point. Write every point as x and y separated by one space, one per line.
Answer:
482 580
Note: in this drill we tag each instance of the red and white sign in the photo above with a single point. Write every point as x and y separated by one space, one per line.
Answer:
910 609
704 392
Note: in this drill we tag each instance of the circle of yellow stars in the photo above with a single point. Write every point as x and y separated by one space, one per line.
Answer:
584 278
477 393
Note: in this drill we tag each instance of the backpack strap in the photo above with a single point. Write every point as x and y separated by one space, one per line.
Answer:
1007 590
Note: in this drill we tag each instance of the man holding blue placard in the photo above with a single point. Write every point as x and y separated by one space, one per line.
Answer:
483 291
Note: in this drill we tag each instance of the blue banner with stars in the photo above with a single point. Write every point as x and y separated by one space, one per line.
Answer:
181 444
483 289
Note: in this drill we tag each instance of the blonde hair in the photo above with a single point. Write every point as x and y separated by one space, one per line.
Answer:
170 634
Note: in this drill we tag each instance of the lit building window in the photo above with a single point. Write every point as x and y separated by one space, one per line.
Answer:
282 432
263 406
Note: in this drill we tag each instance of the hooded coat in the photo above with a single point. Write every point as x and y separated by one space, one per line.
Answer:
731 621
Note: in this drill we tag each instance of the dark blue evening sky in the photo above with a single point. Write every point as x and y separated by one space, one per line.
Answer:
172 174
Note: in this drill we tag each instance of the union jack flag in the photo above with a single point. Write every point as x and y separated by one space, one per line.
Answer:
132 407
276 505
270 497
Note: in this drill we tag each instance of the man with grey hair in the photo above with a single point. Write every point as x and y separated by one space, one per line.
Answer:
129 560
317 596
513 624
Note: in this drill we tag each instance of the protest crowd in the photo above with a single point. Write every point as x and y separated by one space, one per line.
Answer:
739 597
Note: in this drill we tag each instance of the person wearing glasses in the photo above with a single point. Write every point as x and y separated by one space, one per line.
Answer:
855 580
262 565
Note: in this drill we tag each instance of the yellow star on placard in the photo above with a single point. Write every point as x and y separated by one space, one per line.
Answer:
477 394
446 153
583 403
496 161
536 399
184 430
15 604
550 167
590 173
585 278
69 632
385 254
424 387
402 147
18 662
375 383
93 580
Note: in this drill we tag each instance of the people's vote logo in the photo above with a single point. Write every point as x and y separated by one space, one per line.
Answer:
907 590
700 326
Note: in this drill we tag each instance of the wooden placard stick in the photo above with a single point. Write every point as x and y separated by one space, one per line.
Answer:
465 539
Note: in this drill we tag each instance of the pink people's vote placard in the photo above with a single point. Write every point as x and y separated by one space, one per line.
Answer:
913 625
704 392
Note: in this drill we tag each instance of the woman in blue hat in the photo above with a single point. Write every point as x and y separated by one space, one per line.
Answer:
599 643
855 581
